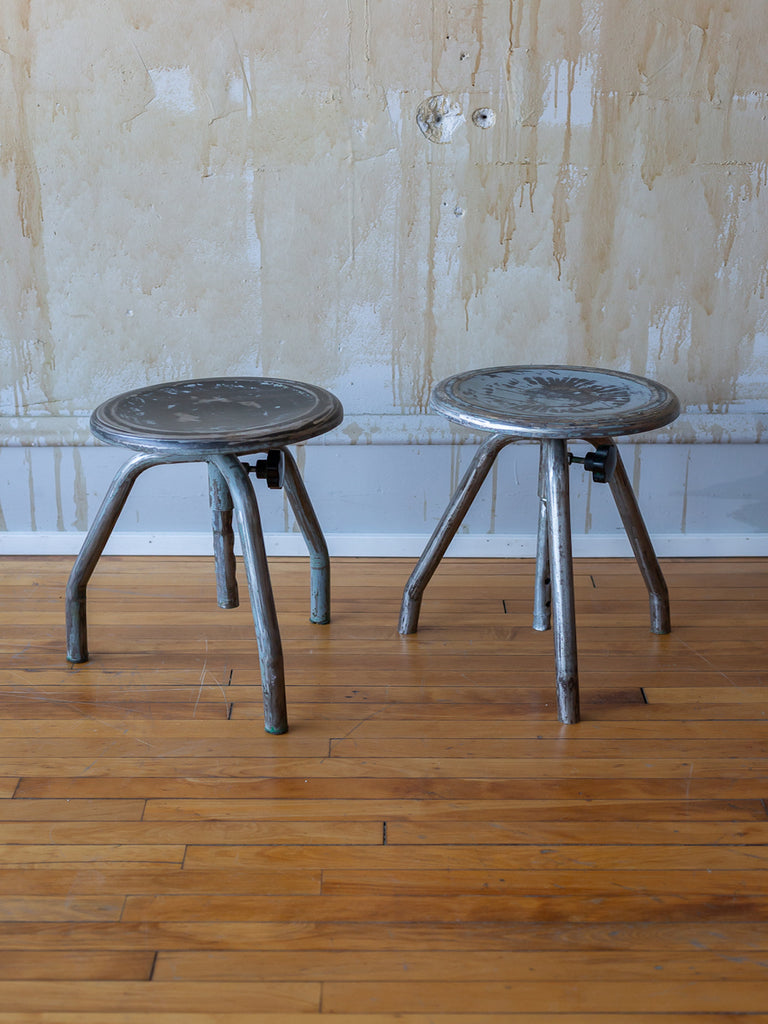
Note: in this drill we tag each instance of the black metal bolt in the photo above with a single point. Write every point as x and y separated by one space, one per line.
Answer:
601 463
271 469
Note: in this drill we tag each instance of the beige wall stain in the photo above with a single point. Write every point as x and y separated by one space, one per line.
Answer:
27 354
79 493
190 191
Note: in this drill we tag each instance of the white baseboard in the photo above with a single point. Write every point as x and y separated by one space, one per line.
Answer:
393 545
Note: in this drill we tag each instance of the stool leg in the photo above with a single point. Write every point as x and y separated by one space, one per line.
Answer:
223 539
559 517
640 541
260 590
93 545
319 562
446 529
542 596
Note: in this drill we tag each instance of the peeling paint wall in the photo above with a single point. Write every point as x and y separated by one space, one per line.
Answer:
188 188
192 189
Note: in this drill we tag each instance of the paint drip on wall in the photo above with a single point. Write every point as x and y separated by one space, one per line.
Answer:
381 196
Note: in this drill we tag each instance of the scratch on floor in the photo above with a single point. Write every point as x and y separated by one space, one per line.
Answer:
203 674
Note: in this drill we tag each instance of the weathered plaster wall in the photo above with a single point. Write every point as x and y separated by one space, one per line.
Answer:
195 188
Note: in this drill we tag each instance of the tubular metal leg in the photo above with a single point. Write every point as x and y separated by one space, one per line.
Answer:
638 537
446 529
94 544
223 539
542 595
319 562
555 459
260 588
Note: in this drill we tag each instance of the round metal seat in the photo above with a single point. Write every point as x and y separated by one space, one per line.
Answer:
552 405
215 420
555 401
217 414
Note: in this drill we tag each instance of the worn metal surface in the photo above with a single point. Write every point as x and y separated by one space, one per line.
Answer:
222 508
514 402
95 542
212 421
217 414
555 401
542 591
642 547
260 590
319 560
446 529
555 461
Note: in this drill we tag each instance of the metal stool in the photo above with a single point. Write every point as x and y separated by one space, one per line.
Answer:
216 420
552 404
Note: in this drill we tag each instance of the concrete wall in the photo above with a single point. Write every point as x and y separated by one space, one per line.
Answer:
196 189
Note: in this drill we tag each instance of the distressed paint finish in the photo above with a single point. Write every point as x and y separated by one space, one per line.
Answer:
213 421
551 404
190 190
555 401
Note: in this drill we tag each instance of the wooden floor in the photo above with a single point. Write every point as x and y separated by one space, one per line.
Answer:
427 844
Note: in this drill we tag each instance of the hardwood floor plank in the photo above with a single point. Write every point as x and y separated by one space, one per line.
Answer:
690 797
51 852
584 881
53 908
686 695
545 997
157 747
196 997
568 747
81 879
17 709
85 965
689 937
593 906
512 728
458 856
177 834
646 833
466 966
343 767
478 810
79 810
224 1017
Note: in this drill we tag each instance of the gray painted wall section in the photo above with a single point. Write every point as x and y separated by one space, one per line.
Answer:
385 498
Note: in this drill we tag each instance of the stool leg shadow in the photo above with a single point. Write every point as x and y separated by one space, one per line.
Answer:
93 546
319 562
260 590
446 529
642 548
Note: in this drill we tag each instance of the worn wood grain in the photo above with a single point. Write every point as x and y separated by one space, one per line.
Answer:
426 845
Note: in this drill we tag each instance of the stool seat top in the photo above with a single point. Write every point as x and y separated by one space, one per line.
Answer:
225 415
555 401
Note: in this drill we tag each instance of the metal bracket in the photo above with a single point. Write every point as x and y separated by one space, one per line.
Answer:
601 463
271 469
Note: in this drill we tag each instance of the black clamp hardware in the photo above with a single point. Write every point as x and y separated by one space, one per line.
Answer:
601 463
271 469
